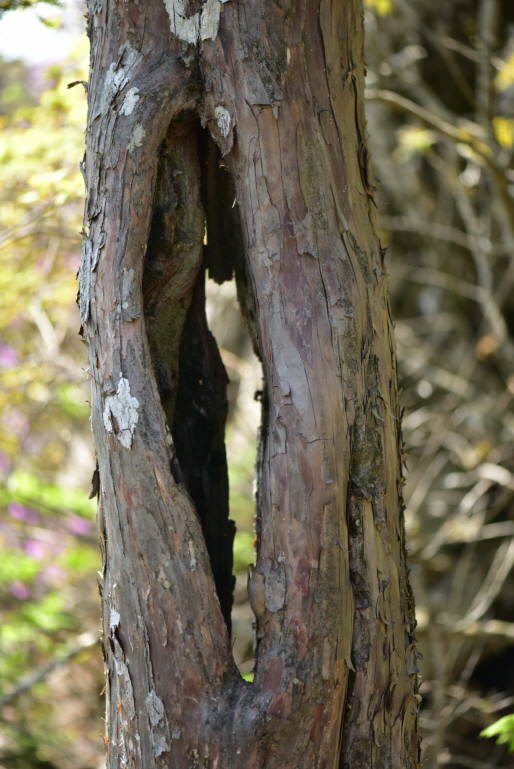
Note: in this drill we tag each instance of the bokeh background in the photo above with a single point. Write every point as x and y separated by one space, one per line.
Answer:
440 90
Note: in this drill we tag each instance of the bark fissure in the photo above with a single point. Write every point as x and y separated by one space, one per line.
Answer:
199 435
189 371
276 87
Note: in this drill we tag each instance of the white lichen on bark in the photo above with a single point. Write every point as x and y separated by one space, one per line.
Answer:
210 20
130 101
102 239
114 619
117 78
200 26
155 708
136 140
193 563
275 590
183 27
123 408
161 736
85 279
223 120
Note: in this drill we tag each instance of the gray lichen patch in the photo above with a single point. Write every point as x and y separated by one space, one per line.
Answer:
155 708
129 296
117 77
124 683
130 101
161 737
102 239
199 26
114 620
114 82
193 563
122 408
223 120
210 19
136 140
85 279
185 28
275 588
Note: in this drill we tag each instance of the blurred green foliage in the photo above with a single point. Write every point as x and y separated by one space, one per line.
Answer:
503 730
241 474
48 596
14 5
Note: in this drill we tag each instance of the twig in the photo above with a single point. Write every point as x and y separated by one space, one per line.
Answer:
493 583
487 24
429 229
470 133
84 641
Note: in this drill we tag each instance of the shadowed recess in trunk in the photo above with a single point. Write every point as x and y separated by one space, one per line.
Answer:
195 231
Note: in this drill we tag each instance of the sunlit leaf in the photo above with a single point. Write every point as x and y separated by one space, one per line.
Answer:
503 730
382 7
504 131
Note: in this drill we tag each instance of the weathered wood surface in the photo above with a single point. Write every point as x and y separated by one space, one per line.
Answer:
279 87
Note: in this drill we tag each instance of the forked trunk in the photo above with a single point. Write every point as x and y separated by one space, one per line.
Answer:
278 87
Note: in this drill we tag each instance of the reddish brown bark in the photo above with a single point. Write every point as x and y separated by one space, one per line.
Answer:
279 88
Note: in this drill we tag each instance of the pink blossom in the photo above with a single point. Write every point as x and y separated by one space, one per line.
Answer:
19 590
36 549
78 525
22 513
8 356
52 574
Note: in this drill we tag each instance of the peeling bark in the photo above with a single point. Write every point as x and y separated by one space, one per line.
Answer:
279 88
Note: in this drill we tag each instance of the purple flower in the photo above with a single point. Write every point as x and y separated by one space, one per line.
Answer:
21 513
16 511
78 525
36 549
8 356
19 590
52 574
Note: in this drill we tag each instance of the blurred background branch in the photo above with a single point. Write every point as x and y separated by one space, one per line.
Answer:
440 86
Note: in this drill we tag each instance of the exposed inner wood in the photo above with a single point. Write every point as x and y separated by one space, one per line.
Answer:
189 371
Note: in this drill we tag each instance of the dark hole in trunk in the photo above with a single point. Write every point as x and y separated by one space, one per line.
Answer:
198 432
194 191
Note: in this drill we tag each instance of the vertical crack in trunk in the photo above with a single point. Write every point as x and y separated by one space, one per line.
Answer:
194 190
224 258
199 434
174 254
225 251
189 371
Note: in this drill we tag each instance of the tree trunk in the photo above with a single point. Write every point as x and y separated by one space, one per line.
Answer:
278 87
